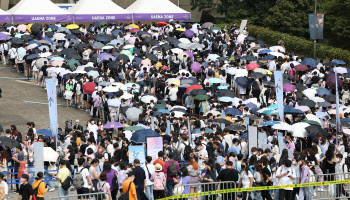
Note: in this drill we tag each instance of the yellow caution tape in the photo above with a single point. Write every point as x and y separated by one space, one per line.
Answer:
276 187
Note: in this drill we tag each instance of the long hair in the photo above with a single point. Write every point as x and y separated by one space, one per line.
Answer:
39 176
193 163
3 156
22 168
107 167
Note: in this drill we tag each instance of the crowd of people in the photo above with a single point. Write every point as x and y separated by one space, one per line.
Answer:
198 87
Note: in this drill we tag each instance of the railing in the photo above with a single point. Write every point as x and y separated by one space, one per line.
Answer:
90 196
338 191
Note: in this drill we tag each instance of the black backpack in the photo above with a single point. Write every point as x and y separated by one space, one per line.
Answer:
35 190
187 152
205 42
67 183
125 196
210 72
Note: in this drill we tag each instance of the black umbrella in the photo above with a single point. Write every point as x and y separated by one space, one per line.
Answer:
249 57
67 76
74 56
324 104
147 39
17 41
123 57
2 29
57 53
136 51
196 92
330 98
179 110
226 93
152 42
343 123
123 110
69 51
236 128
81 46
208 31
285 81
36 51
307 102
27 38
152 57
119 93
300 95
113 65
249 38
36 28
288 76
76 32
9 142
301 87
87 69
157 49
330 64
269 83
257 75
108 37
201 36
172 40
166 46
242 81
49 34
222 121
261 43
313 129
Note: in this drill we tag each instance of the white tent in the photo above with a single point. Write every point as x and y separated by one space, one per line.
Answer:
157 10
39 11
5 17
101 10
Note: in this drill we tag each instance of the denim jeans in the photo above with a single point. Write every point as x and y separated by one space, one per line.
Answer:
62 193
149 192
170 186
276 194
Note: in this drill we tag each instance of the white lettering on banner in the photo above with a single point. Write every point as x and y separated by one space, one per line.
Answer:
38 18
162 16
50 18
98 17
110 17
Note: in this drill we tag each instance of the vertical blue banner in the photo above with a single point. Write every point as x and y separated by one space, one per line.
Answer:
168 130
246 122
279 93
152 123
337 104
312 26
252 138
281 143
52 99
223 117
262 140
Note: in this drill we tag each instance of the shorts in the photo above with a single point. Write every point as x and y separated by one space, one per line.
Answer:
78 92
83 191
12 60
85 97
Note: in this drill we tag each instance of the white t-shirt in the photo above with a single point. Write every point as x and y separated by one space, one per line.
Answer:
85 173
204 154
285 180
86 55
13 53
110 149
5 186
246 178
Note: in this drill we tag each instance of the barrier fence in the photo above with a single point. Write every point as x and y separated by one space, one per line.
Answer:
336 190
90 196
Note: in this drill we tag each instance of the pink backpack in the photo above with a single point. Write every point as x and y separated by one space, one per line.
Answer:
158 182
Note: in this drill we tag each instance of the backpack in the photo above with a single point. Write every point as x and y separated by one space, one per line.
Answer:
187 152
172 170
217 74
35 191
78 180
210 72
101 196
66 183
158 182
206 44
125 196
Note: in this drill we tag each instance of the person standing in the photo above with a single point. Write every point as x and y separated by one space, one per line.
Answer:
129 186
140 178
173 94
341 169
26 190
286 175
149 170
43 69
39 186
171 169
62 174
228 174
4 185
18 159
86 179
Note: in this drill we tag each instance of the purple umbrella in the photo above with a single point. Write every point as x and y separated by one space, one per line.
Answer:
196 67
104 57
113 125
3 36
331 82
189 33
116 54
289 87
190 54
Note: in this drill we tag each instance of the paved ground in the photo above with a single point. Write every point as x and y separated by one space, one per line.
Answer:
22 101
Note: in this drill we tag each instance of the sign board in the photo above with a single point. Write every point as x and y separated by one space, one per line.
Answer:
154 145
39 157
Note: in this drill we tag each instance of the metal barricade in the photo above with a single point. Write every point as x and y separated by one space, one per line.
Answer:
209 191
323 192
90 196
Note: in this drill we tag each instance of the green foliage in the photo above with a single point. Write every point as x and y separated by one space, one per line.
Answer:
337 22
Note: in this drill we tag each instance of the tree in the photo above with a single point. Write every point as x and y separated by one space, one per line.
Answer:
290 16
337 22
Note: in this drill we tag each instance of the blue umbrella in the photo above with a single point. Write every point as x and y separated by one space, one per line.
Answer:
44 47
57 58
264 51
274 106
101 39
32 56
71 36
323 91
45 132
53 27
116 33
140 136
49 40
164 111
232 111
310 62
142 32
292 111
193 79
269 57
242 81
270 123
244 136
251 105
225 99
34 42
339 62
223 87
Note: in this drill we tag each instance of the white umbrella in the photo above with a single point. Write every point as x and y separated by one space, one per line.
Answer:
110 89
231 70
310 93
59 36
93 73
282 126
241 73
32 46
277 54
313 118
126 96
45 55
178 114
196 46
50 155
241 38
185 40
184 46
180 107
40 62
298 129
129 46
148 99
133 113
260 70
107 47
79 72
318 99
176 50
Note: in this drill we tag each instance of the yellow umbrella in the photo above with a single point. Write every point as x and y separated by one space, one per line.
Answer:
29 26
180 29
134 26
269 72
176 83
72 26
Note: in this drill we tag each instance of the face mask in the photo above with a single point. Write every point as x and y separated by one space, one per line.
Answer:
340 142
254 153
300 163
92 123
273 169
337 159
293 162
129 170
216 153
100 150
22 180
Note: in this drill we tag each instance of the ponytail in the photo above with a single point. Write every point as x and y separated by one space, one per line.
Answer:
39 176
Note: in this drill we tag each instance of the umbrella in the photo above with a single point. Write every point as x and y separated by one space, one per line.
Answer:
89 87
331 82
288 87
196 67
330 98
164 111
242 81
201 97
301 67
252 66
226 93
9 142
94 74
310 62
232 111
340 70
17 41
264 51
292 111
196 92
133 113
113 125
282 126
312 122
71 63
98 45
159 106
189 33
140 136
313 118
207 25
3 36
133 128
268 57
147 98
222 121
307 102
257 75
269 123
45 132
193 87
50 155
323 91
64 29
236 128
339 62
298 129
324 104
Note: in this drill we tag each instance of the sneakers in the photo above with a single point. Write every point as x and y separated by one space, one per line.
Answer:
320 189
52 189
16 192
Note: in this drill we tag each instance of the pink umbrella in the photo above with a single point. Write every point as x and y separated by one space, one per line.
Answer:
303 108
241 38
347 131
190 54
132 40
279 48
146 62
81 68
196 67
62 73
22 27
57 63
252 66
289 87
334 112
